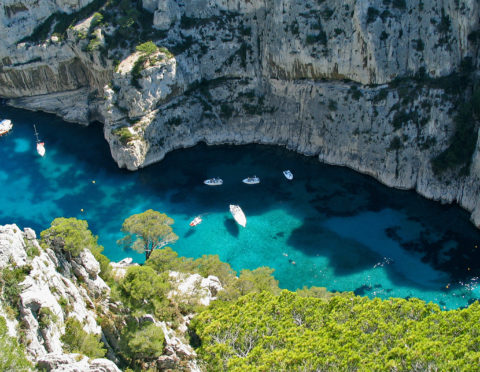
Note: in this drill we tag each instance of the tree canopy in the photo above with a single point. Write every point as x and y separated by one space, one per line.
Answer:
72 235
148 231
265 332
77 340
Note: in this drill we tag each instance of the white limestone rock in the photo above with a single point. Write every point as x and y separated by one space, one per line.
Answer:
119 269
50 292
75 363
12 246
189 287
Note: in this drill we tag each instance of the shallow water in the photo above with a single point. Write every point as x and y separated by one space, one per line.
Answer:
328 227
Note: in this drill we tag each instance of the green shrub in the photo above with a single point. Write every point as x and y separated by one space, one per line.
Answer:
418 45
70 234
124 134
93 44
332 105
46 317
10 279
355 92
12 355
399 4
137 69
372 14
144 342
147 48
76 340
97 19
395 144
462 144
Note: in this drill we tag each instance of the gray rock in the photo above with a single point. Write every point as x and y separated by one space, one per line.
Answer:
75 363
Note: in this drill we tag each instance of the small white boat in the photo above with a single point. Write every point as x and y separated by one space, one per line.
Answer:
251 180
238 214
5 126
288 175
213 182
41 148
40 145
197 220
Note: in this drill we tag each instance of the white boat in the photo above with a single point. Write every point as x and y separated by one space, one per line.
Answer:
288 175
41 148
5 126
197 220
238 214
213 182
40 145
251 180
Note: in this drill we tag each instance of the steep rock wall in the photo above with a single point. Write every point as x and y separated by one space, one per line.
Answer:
280 72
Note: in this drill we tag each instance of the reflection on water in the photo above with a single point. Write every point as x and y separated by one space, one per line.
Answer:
328 227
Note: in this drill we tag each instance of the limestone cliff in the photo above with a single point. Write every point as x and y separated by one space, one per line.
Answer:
49 293
56 287
356 83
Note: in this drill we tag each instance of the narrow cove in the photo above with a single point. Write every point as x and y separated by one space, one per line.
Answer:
328 227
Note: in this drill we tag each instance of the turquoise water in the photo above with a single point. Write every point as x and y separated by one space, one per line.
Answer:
328 227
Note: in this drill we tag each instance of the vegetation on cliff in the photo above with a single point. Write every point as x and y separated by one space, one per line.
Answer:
265 332
12 355
253 325
148 231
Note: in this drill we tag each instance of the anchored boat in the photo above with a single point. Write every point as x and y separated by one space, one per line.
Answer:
238 215
251 180
40 145
5 126
213 182
288 175
196 221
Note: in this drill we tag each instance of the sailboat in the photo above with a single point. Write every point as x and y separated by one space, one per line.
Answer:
238 214
40 145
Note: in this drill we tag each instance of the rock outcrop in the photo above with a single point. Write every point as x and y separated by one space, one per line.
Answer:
314 76
49 294
57 286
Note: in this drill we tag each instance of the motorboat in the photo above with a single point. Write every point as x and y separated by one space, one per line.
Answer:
213 182
197 220
251 180
288 175
238 215
5 126
40 144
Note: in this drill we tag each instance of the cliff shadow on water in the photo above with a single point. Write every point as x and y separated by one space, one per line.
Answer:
329 226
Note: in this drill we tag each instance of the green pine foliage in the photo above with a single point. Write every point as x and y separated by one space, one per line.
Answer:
145 291
72 235
77 340
12 355
265 332
10 279
147 231
141 343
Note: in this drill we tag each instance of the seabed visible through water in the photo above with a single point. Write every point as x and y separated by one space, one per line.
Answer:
328 227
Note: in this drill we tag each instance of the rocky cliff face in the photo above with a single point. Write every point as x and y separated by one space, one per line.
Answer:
49 293
320 77
57 287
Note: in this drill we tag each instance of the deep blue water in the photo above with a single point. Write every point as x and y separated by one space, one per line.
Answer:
328 227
